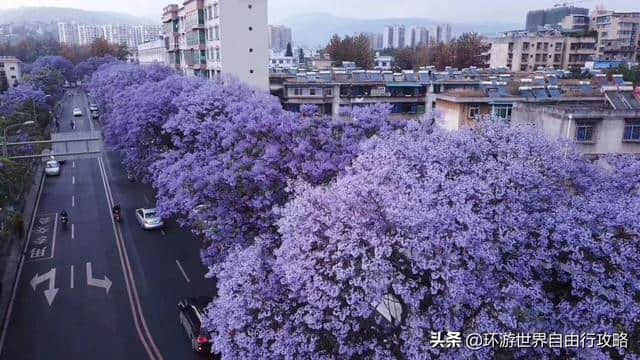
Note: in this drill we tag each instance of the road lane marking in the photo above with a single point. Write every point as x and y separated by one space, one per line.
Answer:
73 201
72 276
73 231
49 277
132 291
73 180
91 281
162 231
182 271
73 164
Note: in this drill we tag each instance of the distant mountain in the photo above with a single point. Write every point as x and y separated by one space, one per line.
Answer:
47 15
315 29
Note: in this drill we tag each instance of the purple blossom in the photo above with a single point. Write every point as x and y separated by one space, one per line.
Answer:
16 98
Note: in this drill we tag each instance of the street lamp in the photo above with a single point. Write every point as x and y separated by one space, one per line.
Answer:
6 140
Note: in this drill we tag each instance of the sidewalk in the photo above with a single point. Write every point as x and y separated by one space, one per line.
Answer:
11 254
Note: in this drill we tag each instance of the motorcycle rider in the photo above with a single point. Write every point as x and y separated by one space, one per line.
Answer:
64 217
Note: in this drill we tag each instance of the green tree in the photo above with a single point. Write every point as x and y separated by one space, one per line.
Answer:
356 49
467 51
289 51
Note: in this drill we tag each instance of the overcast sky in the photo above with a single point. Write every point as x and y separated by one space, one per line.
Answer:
470 11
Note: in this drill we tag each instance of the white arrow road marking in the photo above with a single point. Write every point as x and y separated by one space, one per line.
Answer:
50 276
105 284
73 180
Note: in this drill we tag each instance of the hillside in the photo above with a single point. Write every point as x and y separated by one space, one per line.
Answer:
23 15
315 29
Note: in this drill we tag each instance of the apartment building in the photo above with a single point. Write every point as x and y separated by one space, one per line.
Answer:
11 67
618 34
565 17
152 52
448 33
123 34
279 37
525 51
87 34
67 33
418 36
212 37
394 37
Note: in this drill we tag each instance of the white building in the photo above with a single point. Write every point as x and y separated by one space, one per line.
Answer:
11 67
278 59
383 62
152 52
67 33
418 36
212 37
279 37
87 34
387 37
393 37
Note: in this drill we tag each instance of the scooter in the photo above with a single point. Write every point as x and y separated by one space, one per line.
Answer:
116 216
64 220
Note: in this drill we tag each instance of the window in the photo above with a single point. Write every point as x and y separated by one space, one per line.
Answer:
296 91
631 131
250 28
501 111
217 54
12 68
216 33
250 50
328 92
584 132
215 10
312 92
251 71
473 112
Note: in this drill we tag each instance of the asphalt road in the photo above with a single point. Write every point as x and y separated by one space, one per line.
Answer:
117 285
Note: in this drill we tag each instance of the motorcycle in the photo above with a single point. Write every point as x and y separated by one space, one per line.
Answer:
64 220
116 216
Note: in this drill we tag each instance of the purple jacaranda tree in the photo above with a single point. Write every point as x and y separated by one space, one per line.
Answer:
17 98
87 67
135 124
234 152
113 78
64 66
50 81
485 230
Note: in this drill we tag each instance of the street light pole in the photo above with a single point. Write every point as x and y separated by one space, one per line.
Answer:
6 140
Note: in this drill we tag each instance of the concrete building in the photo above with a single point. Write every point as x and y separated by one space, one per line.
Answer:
448 36
152 52
418 36
279 37
554 18
87 34
618 35
212 37
382 62
438 34
399 38
524 51
387 37
67 33
596 128
11 67
278 59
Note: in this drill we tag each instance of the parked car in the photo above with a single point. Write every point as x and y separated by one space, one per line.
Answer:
93 107
77 112
190 314
52 168
95 114
149 219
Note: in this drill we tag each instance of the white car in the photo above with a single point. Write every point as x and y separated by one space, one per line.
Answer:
77 112
149 219
93 107
52 168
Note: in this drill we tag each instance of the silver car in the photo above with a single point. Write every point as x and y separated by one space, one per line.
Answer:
149 219
52 168
93 107
77 112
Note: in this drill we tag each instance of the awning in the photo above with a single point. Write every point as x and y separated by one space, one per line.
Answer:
404 85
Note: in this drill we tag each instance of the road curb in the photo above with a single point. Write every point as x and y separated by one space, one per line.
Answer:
10 271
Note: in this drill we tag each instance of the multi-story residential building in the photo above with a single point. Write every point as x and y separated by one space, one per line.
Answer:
524 51
438 34
387 37
448 33
11 67
379 44
146 33
152 52
561 17
87 34
618 34
212 37
399 37
279 37
418 36
67 33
